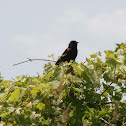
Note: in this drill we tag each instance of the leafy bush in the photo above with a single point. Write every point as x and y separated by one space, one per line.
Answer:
70 94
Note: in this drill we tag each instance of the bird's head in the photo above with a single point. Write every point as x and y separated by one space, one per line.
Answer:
73 44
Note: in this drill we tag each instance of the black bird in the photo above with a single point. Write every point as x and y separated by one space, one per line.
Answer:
70 53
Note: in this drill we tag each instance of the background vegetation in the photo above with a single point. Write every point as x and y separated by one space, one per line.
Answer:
80 94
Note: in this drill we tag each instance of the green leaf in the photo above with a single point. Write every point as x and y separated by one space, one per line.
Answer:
35 80
15 95
34 92
4 95
110 58
72 112
41 106
11 109
4 114
101 113
78 89
54 84
19 83
40 87
79 71
47 77
107 78
89 61
93 55
117 96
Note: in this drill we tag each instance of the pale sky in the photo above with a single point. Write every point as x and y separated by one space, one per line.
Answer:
38 28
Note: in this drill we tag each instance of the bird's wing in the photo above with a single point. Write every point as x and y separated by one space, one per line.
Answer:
65 53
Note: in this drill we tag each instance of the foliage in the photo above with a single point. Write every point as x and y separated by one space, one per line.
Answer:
74 94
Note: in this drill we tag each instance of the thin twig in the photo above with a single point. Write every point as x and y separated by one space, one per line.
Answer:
104 120
32 60
107 103
106 88
104 91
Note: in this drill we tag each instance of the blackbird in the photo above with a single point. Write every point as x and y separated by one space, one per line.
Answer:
70 53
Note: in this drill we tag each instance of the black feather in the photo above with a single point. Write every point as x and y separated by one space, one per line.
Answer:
69 54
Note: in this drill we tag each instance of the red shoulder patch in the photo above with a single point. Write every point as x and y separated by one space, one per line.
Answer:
68 49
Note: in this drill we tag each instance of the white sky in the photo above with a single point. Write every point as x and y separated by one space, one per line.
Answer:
38 28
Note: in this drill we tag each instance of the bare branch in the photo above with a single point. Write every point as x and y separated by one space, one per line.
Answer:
104 120
33 60
107 103
106 88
